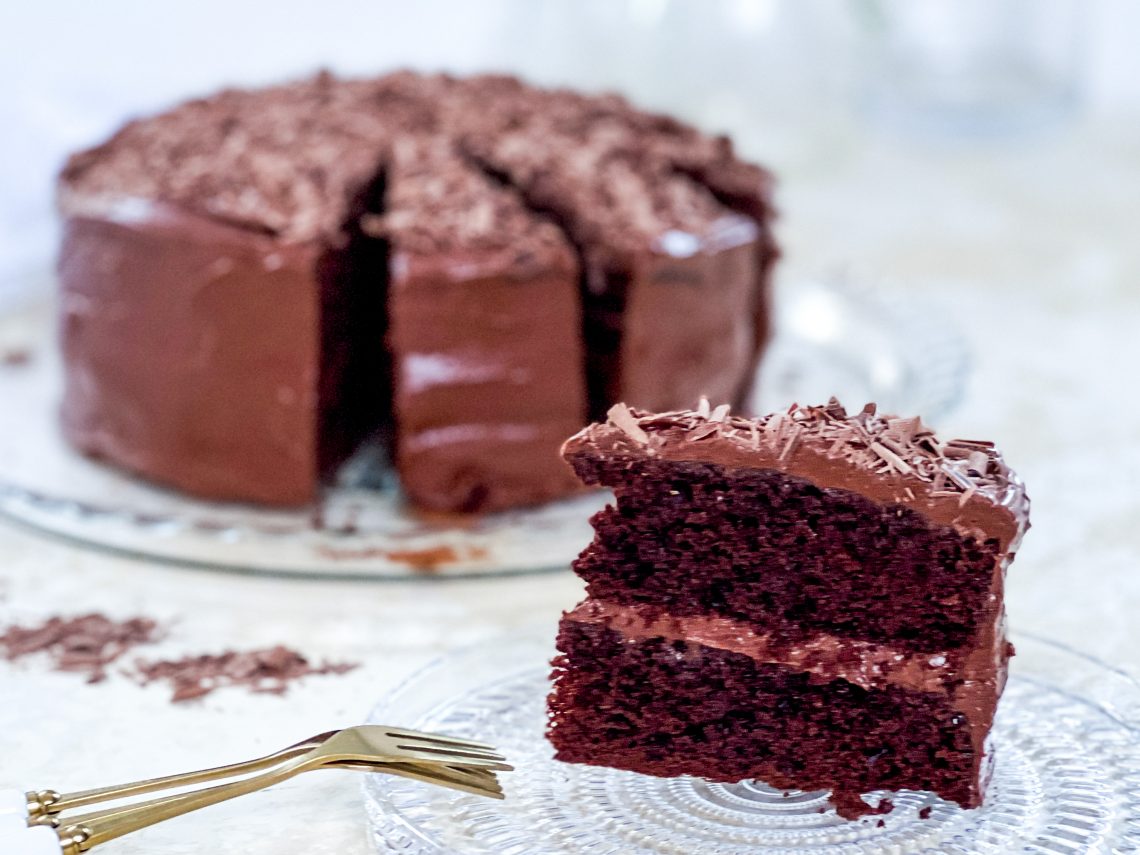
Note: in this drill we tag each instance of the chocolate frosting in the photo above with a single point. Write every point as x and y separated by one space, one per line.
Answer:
890 460
229 318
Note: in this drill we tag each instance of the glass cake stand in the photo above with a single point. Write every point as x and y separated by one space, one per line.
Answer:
833 338
1066 779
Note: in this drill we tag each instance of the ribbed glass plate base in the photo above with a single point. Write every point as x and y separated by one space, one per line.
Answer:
1066 779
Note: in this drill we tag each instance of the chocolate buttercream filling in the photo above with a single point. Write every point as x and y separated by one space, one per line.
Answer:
829 657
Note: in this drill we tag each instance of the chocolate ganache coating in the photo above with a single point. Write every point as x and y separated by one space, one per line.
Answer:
254 281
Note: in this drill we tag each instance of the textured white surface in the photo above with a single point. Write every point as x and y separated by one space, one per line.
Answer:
29 841
12 802
1031 250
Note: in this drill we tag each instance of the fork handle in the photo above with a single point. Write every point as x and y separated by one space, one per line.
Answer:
53 803
100 827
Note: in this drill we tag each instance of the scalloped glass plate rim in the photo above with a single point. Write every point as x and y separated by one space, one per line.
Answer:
1043 662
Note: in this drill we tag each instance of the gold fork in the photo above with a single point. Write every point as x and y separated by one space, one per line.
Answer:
43 802
445 761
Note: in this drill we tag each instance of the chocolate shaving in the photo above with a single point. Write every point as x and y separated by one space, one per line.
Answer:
720 413
622 417
834 409
891 458
957 477
703 431
703 408
978 462
904 429
268 671
87 644
792 444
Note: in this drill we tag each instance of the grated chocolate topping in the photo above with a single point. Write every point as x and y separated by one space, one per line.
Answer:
437 201
286 161
901 449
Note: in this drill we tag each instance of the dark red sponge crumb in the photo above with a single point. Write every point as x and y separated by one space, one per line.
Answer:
777 551
672 708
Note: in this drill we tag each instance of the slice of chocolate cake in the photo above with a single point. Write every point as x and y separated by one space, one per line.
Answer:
812 599
670 276
485 336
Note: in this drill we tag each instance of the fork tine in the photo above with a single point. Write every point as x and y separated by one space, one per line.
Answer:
452 741
440 757
474 753
472 773
485 784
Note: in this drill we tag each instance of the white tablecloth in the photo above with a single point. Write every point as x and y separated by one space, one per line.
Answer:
1030 249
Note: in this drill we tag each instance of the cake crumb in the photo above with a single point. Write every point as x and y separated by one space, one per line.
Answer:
268 671
87 644
14 357
925 812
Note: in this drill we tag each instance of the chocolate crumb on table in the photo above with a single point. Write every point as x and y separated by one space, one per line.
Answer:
90 644
268 671
87 644
14 357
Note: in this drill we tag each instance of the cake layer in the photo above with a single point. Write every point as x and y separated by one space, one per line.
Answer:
784 555
669 708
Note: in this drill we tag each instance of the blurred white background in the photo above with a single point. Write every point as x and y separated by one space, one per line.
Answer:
793 79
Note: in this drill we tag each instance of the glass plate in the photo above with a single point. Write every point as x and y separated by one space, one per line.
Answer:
1066 778
833 339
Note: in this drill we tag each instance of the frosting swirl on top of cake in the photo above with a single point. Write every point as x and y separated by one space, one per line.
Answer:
962 483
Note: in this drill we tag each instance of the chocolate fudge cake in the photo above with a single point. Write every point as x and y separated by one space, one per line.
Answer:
254 282
812 599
